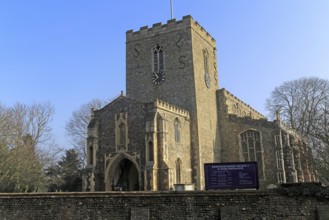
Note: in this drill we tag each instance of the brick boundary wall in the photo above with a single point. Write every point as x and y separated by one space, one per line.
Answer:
194 205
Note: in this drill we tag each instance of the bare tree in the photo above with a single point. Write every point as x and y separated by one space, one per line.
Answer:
25 140
304 105
76 127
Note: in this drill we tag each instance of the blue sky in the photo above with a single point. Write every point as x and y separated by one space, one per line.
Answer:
68 52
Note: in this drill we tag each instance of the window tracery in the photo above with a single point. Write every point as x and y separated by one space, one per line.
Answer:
252 148
158 59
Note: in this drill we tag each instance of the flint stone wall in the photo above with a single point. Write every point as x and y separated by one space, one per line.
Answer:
162 205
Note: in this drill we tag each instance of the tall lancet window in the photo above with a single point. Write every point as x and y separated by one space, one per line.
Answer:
158 59
158 65
177 131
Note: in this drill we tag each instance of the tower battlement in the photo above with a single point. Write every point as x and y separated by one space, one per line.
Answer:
170 107
186 22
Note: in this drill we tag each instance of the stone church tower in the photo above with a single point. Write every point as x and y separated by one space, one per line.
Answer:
174 119
176 62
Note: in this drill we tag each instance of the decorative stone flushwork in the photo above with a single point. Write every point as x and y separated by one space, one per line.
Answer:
174 119
143 154
282 147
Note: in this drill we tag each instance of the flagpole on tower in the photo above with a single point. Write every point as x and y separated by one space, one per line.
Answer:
171 10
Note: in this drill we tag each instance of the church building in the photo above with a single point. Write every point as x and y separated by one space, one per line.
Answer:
174 119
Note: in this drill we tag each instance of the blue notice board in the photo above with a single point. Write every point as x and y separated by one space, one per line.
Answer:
241 175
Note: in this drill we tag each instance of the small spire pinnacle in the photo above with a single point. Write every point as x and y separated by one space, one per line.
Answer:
92 112
277 114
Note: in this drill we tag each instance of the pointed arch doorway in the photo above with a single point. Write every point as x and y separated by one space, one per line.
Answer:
123 175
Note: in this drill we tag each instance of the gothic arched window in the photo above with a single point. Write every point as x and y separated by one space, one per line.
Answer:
252 148
177 130
158 59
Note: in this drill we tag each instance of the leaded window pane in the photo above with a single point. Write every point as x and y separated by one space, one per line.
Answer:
246 156
258 147
244 147
252 154
252 148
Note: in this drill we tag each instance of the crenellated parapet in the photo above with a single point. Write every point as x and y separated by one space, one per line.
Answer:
157 28
171 108
234 106
251 121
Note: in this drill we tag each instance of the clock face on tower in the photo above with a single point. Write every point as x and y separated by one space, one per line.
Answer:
158 77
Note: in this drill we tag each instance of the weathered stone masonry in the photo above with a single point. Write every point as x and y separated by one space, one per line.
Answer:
230 205
174 119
